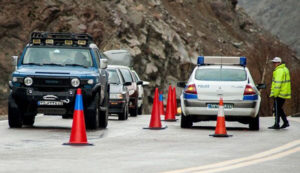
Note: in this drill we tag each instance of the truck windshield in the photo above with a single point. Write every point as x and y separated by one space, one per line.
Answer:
221 74
58 56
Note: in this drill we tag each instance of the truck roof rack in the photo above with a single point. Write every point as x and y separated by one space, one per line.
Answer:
53 38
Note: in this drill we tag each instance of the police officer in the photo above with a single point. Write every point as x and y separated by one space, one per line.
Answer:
280 91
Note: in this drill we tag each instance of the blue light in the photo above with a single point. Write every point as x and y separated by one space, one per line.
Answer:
190 96
200 60
243 61
250 97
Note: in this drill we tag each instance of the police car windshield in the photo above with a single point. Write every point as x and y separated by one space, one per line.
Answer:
113 77
58 56
221 74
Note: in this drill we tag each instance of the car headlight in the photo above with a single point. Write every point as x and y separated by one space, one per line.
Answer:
75 82
116 96
28 81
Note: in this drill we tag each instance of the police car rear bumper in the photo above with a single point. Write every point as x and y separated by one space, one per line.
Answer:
201 108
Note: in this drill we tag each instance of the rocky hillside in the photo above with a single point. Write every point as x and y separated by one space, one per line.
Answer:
164 36
281 17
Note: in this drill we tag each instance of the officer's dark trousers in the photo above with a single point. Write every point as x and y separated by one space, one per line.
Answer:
278 104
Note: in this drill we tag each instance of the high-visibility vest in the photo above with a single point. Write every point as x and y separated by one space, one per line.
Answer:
281 83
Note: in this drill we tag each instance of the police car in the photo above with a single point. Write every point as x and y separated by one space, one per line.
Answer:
216 77
50 69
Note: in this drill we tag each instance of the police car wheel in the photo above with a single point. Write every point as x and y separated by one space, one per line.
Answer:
186 121
91 114
14 114
254 123
28 120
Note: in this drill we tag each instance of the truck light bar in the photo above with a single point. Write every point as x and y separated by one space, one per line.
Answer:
69 39
224 60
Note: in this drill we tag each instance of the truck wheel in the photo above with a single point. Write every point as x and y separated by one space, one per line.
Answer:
186 121
140 110
28 120
124 114
254 123
14 114
92 114
103 116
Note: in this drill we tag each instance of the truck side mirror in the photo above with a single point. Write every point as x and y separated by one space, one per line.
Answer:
15 61
103 63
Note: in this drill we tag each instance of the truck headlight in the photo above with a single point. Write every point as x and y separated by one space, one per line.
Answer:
75 82
28 81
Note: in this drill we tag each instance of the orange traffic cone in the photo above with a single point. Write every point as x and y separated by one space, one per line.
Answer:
78 132
220 130
175 101
155 121
161 104
170 113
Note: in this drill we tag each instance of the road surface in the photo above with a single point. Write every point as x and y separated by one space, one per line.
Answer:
126 147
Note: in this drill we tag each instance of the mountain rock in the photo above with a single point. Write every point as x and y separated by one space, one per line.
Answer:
281 17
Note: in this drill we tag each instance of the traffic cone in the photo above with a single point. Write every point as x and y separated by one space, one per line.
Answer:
161 104
175 101
170 112
155 121
78 132
220 130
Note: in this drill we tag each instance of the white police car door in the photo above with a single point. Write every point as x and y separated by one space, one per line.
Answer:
213 82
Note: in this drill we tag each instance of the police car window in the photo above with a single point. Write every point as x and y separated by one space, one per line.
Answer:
221 74
126 74
58 56
113 77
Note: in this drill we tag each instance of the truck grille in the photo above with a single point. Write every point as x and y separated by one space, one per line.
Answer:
51 82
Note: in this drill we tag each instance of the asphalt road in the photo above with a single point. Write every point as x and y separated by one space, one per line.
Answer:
125 147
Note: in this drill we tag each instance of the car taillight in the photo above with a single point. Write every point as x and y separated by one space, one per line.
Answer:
191 89
249 90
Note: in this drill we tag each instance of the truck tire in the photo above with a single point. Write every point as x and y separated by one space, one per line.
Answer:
103 116
254 123
92 114
29 120
186 121
14 114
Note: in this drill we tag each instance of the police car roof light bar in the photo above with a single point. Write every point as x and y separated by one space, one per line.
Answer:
221 60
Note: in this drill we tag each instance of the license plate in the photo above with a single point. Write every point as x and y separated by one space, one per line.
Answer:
50 103
216 106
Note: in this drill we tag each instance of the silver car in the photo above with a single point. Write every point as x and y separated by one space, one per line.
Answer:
216 77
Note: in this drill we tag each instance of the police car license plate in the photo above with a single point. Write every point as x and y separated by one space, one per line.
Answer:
216 106
50 103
